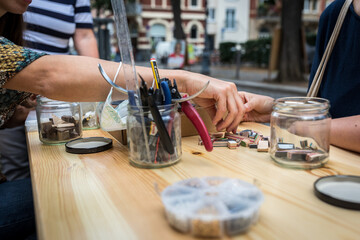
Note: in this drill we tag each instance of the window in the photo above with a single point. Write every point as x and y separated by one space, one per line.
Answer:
193 32
230 19
194 3
310 6
314 5
211 16
307 6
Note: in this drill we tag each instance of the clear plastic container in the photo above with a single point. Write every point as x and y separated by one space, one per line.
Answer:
212 206
90 115
58 122
146 150
300 132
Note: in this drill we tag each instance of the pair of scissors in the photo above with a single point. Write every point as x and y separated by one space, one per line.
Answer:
191 113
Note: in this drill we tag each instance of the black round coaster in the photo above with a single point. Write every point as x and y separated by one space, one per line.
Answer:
339 190
88 145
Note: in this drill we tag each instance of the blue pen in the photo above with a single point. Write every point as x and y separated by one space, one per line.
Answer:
166 91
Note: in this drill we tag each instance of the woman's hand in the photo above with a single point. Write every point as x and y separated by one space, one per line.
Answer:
21 113
220 99
257 107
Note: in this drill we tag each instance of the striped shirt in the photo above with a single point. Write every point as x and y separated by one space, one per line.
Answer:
51 23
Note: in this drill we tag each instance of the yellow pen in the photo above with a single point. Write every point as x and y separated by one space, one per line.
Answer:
155 72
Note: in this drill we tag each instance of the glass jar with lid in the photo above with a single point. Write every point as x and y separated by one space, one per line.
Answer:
300 132
58 122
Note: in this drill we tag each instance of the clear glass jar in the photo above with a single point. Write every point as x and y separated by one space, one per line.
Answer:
300 132
146 150
90 115
58 122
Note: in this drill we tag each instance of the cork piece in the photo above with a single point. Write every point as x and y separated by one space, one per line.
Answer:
68 118
263 146
63 135
298 155
253 145
217 135
245 133
56 120
281 154
220 143
284 146
232 144
304 144
314 156
245 142
60 129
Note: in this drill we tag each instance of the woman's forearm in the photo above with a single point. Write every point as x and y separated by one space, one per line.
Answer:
74 78
345 133
77 78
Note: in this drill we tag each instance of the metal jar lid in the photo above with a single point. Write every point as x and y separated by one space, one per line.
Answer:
88 145
339 190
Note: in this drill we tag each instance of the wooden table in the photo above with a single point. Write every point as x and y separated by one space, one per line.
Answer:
101 196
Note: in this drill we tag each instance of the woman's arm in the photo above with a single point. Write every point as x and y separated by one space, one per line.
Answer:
77 78
85 42
345 133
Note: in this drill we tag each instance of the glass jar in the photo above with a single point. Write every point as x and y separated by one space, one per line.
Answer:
90 115
300 132
58 122
145 147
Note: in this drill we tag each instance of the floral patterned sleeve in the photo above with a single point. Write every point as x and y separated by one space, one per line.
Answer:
13 59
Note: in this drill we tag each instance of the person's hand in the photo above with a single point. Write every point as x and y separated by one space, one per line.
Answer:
21 112
257 107
220 99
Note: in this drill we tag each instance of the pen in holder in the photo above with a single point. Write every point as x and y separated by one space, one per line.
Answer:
152 151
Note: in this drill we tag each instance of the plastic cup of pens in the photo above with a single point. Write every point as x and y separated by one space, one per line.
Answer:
155 140
300 132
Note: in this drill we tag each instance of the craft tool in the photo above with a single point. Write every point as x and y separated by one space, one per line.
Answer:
193 116
163 133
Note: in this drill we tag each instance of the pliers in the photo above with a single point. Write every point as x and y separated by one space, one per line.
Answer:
191 113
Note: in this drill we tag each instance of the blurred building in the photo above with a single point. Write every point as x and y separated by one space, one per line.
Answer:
265 16
155 24
228 21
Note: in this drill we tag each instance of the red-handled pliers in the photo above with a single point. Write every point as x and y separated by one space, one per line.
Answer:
192 114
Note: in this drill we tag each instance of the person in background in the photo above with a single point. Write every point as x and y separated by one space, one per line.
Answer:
50 25
340 83
176 60
24 72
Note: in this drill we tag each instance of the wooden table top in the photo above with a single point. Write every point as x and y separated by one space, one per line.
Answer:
101 196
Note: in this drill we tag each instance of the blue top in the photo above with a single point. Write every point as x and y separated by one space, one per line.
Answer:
341 80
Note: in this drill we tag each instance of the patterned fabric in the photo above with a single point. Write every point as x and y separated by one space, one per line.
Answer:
13 59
